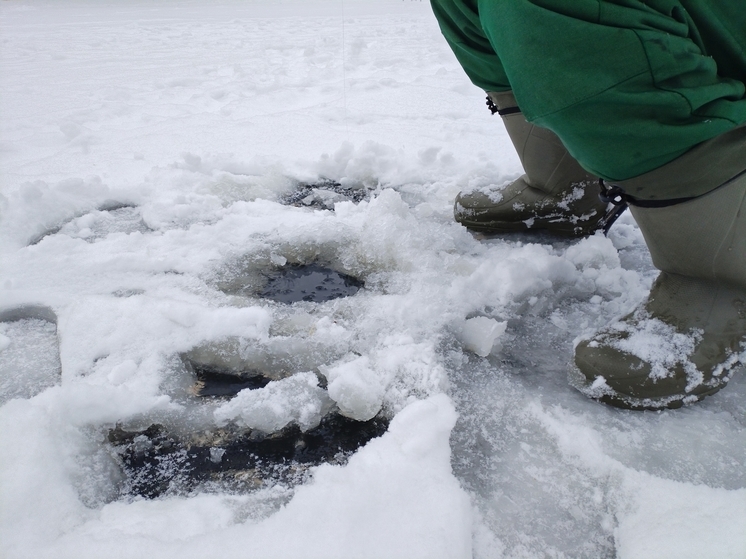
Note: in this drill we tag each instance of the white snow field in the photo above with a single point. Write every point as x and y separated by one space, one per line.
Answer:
146 149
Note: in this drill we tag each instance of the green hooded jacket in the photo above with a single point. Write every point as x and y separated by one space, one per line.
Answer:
628 85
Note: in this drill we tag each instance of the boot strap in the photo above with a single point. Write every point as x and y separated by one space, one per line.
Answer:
502 112
616 200
614 194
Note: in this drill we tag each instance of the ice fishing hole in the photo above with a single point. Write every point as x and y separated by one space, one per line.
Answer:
29 352
309 282
155 462
124 293
99 223
213 382
324 194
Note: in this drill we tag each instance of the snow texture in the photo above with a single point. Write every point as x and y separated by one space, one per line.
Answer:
659 344
29 359
146 149
296 399
480 333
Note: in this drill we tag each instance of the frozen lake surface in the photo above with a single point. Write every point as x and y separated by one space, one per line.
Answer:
166 165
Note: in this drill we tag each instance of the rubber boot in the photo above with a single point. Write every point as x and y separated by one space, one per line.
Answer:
688 338
556 194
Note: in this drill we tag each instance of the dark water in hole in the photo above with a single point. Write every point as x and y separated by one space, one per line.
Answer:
218 383
155 462
323 195
310 282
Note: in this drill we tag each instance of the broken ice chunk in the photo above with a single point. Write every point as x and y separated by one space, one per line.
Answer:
296 399
216 455
278 259
479 334
356 388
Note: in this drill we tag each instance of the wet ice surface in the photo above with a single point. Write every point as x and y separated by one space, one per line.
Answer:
206 120
510 451
29 358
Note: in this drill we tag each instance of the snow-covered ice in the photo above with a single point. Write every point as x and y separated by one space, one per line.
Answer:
146 150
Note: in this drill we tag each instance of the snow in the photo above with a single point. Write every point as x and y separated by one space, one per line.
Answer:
660 345
144 151
355 387
296 399
480 333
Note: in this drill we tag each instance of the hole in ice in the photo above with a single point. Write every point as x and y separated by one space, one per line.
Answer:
96 225
324 194
301 276
124 293
190 453
156 462
29 352
310 282
36 312
216 383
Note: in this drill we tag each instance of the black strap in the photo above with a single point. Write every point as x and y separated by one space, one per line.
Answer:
658 203
509 111
613 194
502 112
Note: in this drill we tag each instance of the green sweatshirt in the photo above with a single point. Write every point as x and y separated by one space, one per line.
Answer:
628 85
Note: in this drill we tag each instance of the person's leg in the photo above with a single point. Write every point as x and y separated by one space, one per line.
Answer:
556 193
688 338
627 85
635 93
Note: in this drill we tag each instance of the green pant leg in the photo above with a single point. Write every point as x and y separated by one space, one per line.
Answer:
460 25
628 85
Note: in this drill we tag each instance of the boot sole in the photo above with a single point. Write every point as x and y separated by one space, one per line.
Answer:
617 399
498 227
671 403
